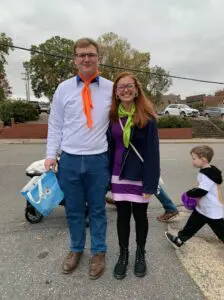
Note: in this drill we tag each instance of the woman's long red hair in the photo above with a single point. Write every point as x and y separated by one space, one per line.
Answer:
144 108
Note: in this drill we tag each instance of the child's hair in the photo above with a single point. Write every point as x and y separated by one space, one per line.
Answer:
203 151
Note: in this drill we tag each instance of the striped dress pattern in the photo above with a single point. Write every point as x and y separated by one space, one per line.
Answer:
122 189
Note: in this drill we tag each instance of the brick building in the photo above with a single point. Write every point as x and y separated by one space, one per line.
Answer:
210 100
168 99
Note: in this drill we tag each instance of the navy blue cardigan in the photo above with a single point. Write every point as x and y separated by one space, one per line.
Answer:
146 141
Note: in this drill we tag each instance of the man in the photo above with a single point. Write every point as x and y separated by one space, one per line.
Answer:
78 123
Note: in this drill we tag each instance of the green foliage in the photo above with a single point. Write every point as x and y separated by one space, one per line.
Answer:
118 52
24 111
173 122
159 83
199 106
5 89
46 72
219 123
115 51
4 49
6 112
21 111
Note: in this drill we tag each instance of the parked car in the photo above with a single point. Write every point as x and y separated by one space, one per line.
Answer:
214 112
49 109
182 110
160 113
44 107
37 106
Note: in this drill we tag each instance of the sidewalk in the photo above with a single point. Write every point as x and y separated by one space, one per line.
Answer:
203 258
162 141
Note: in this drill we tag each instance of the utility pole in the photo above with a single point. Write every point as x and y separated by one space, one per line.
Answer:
27 83
25 79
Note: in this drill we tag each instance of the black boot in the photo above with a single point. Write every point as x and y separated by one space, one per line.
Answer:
121 266
140 264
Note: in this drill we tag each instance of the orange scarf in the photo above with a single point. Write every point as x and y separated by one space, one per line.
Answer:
87 99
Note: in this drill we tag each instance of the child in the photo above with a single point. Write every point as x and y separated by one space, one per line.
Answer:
210 208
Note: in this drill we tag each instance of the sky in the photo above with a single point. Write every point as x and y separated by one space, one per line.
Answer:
185 37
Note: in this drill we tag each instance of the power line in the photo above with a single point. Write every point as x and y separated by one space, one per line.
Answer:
115 67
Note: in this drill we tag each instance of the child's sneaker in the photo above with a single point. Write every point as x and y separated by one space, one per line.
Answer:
174 240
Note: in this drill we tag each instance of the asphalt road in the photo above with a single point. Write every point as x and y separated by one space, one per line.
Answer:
31 255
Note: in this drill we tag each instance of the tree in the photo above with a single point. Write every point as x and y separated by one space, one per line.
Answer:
47 71
5 46
118 52
219 93
159 83
199 106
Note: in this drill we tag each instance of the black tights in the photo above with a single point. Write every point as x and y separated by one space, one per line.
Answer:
124 210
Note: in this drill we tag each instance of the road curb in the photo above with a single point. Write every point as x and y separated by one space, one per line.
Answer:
23 141
162 141
192 141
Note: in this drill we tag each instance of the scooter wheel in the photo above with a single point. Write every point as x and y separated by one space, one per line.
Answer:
33 217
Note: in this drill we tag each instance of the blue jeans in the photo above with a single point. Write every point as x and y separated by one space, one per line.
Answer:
165 200
84 179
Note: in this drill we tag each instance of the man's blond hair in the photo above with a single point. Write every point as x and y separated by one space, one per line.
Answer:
85 42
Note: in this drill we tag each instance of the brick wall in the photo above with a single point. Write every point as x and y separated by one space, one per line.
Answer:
39 131
175 133
24 131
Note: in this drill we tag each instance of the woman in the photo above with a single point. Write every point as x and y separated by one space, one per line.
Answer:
170 210
134 157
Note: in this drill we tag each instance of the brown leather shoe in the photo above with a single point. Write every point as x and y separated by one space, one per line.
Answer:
110 201
71 262
97 265
168 216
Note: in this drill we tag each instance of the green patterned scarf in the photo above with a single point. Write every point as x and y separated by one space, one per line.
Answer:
127 128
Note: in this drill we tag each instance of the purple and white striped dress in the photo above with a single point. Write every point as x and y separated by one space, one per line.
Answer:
123 190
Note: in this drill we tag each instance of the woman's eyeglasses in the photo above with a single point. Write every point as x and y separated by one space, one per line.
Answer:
83 55
122 87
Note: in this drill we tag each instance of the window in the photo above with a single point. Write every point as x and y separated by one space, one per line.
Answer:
184 106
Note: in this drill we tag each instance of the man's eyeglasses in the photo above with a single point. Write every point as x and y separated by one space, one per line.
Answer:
83 55
122 87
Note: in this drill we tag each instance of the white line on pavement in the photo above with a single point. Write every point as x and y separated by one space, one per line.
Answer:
12 165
